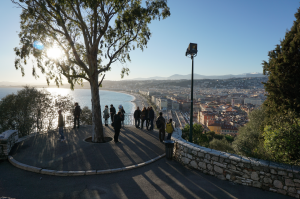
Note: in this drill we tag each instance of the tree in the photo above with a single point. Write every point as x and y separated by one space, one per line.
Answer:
86 116
249 140
92 35
283 74
221 145
283 143
32 110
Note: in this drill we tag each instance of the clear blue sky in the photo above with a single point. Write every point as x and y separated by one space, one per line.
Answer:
233 37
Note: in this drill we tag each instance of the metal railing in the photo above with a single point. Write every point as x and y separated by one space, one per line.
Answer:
128 119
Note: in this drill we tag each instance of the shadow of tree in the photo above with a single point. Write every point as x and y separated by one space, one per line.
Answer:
46 151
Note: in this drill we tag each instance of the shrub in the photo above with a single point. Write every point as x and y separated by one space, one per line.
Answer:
32 110
283 144
249 140
86 116
229 138
221 145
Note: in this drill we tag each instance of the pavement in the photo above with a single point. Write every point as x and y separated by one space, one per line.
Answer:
47 152
162 178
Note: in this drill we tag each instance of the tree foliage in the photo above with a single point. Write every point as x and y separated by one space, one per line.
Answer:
283 144
204 139
221 145
92 34
283 85
86 116
249 140
32 110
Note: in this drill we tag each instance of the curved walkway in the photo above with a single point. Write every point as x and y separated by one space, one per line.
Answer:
45 154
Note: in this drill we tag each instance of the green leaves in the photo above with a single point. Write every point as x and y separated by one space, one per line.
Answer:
283 143
283 71
31 109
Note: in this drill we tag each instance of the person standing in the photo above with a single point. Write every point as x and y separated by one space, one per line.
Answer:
147 117
117 126
121 109
77 112
112 111
160 123
169 129
106 115
137 117
143 116
151 117
61 126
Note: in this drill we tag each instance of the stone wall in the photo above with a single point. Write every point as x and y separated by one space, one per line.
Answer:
267 175
7 141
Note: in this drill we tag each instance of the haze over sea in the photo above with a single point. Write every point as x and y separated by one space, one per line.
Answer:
83 97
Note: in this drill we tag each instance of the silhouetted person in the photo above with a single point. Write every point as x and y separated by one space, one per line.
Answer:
160 123
147 118
143 116
121 109
112 111
77 112
151 118
106 115
61 126
117 126
137 117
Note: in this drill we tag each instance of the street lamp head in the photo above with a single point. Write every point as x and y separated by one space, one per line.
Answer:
192 49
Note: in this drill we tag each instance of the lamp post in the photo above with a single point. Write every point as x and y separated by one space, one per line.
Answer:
192 51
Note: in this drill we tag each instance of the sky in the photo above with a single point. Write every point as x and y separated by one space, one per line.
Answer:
233 37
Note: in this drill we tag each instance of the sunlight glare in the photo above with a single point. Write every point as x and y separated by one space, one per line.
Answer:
54 53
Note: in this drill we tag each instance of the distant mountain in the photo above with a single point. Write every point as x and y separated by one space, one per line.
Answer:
10 83
197 76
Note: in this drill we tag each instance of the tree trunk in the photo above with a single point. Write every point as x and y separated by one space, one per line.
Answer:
97 135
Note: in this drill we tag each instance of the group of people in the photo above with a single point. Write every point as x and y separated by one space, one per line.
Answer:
112 113
147 114
117 121
77 111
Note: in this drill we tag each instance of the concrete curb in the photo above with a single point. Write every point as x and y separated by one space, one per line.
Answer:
77 173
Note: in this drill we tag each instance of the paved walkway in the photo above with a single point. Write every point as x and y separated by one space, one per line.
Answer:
46 152
161 179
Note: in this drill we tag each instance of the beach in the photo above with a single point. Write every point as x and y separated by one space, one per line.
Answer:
138 100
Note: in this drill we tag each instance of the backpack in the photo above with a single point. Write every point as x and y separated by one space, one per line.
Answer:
158 123
169 128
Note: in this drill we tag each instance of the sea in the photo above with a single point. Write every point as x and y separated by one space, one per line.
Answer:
83 97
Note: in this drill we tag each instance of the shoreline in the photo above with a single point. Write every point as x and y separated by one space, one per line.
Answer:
132 101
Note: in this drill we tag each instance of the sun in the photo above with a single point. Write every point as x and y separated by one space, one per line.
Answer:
54 53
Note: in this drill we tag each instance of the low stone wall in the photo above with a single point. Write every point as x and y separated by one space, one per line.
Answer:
7 141
267 175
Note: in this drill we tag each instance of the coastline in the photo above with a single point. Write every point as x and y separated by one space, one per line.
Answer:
132 101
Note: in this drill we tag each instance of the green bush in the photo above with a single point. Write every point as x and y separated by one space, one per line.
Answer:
205 139
32 110
249 141
86 116
221 145
283 144
229 138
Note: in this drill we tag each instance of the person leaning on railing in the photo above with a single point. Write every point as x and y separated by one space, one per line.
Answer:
170 129
137 117
143 116
106 115
61 126
160 123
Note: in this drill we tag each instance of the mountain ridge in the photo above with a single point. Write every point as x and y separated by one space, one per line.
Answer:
198 76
